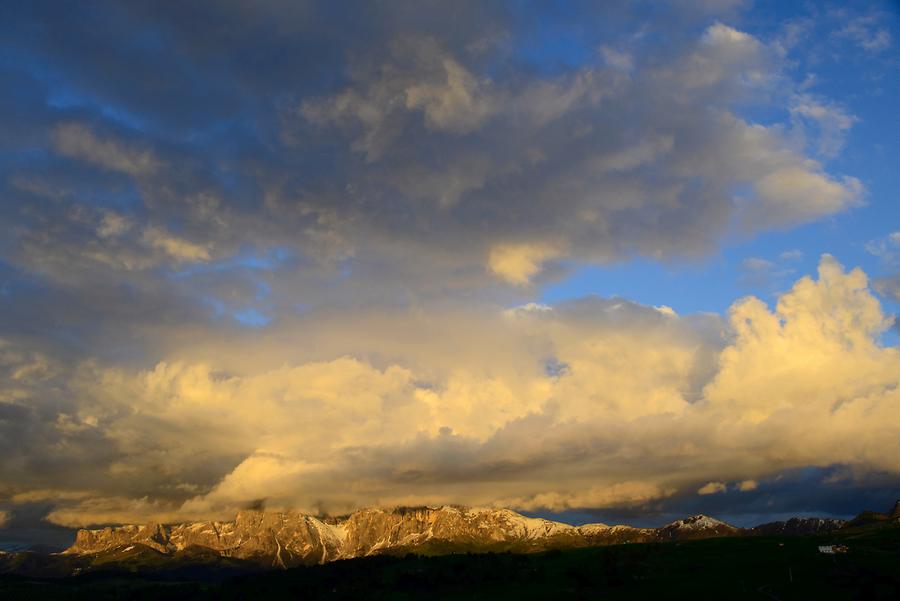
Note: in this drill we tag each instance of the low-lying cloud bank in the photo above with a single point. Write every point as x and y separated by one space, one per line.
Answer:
589 404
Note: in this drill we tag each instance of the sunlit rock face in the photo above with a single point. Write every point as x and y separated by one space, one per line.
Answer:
154 536
291 538
281 539
371 530
601 534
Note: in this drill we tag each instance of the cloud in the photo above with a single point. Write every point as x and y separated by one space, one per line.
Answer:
760 273
457 104
409 161
629 493
832 122
461 409
889 286
519 263
619 60
4 518
382 192
794 254
711 488
757 264
865 31
176 248
747 485
112 510
887 248
794 193
79 141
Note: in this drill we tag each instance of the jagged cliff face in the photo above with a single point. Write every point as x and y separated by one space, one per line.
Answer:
291 538
283 538
601 534
154 536
373 530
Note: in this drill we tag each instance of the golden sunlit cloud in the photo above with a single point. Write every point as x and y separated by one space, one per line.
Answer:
804 384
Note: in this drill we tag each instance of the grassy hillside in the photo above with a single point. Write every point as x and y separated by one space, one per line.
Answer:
732 568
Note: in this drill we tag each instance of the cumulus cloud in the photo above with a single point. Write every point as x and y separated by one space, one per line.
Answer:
805 383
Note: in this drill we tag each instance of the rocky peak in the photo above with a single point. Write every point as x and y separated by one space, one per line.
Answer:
92 541
696 526
699 521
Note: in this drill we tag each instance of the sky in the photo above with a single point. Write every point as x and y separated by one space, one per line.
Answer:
620 261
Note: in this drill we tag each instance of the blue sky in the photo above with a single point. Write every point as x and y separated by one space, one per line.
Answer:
865 84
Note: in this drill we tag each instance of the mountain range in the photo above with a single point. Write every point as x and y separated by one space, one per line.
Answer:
259 539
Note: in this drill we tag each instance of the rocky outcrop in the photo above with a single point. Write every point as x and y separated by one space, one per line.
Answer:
281 539
797 527
869 518
291 538
601 534
372 530
154 536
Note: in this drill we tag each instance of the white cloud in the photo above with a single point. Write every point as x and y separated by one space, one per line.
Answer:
867 33
831 121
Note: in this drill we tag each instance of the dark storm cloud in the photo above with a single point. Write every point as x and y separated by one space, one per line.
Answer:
376 132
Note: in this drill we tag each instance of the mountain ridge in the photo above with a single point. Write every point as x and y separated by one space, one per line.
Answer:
289 538
260 540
